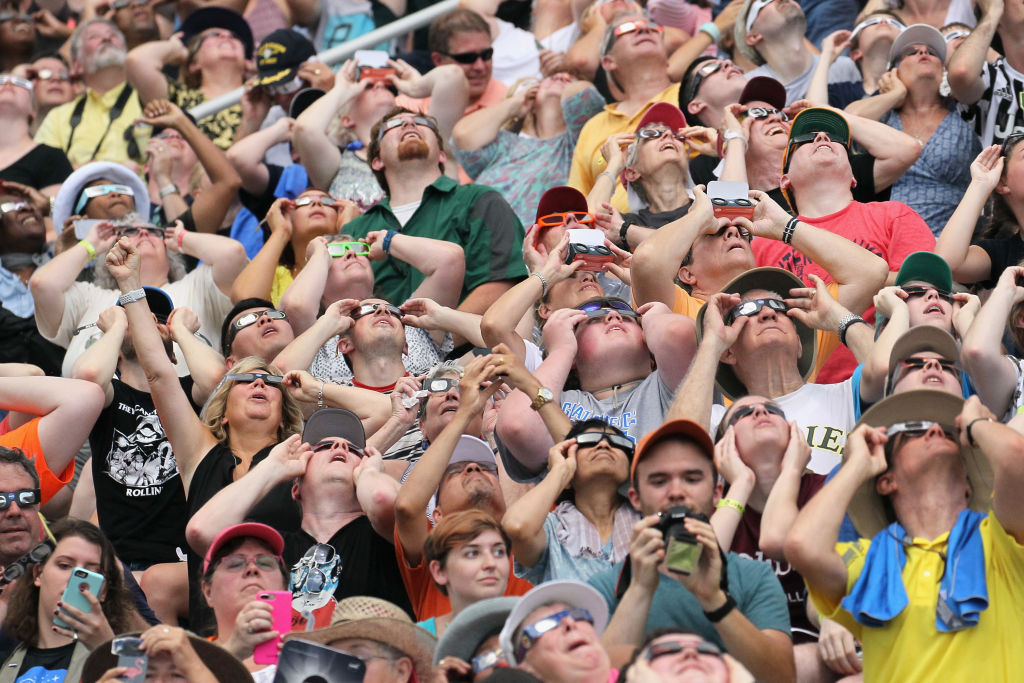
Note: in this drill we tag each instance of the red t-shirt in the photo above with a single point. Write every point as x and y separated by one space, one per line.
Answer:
891 230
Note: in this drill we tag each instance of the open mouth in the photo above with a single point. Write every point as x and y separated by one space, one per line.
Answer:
339 457
934 308
449 408
270 330
775 130
258 395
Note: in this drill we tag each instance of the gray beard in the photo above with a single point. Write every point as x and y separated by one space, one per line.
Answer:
107 58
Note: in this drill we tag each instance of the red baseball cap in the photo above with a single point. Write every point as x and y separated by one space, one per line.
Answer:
687 428
663 112
262 532
559 199
764 89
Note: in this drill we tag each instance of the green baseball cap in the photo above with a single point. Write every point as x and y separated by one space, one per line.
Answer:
926 266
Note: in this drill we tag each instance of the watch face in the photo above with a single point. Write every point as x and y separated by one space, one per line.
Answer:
546 394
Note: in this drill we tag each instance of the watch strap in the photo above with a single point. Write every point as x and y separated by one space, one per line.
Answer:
717 615
132 296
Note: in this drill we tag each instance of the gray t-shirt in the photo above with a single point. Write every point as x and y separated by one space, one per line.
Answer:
636 411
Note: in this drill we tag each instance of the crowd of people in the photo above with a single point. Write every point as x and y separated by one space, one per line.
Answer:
569 341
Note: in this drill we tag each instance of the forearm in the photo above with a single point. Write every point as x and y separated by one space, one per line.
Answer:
443 263
875 107
231 505
735 168
480 128
212 158
301 301
376 493
693 399
482 296
300 352
256 278
523 430
858 272
461 324
993 375
388 434
173 204
371 407
497 326
817 90
319 155
144 65
246 157
681 59
629 622
449 97
524 520
225 256
656 261
98 362
964 72
49 283
205 365
876 368
955 238
725 520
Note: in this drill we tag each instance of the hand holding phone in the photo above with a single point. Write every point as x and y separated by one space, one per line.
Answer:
81 581
281 607
587 245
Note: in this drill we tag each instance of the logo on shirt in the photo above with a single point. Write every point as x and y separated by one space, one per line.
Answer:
141 460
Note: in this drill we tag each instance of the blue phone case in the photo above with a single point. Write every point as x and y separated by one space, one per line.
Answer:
73 594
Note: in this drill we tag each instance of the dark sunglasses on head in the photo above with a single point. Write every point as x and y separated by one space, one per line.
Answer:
23 497
367 309
470 57
441 385
653 133
591 439
250 377
399 121
753 307
534 631
748 410
16 569
917 290
133 230
554 220
321 199
671 648
339 249
327 445
250 318
763 113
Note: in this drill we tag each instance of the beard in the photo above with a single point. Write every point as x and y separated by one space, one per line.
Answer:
105 57
413 148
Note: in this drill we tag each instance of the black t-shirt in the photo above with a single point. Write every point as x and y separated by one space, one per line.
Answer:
363 563
46 664
140 501
41 167
276 509
1004 253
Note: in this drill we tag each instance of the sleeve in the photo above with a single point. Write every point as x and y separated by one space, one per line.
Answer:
538 572
476 161
76 303
580 108
760 597
26 437
853 555
50 129
1002 550
260 204
54 167
863 167
493 220
579 173
908 233
198 291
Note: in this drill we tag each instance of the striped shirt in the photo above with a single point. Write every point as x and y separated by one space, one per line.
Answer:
999 112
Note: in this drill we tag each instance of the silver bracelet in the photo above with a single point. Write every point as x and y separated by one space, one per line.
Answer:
543 283
607 173
320 396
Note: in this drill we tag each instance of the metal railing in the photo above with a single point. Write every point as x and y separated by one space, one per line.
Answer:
340 53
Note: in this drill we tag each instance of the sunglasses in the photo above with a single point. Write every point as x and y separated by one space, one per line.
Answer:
748 410
399 121
214 33
753 307
916 291
250 377
133 230
471 57
124 4
23 497
699 74
487 660
457 468
14 80
367 309
339 249
237 563
100 190
634 26
874 21
11 207
441 385
755 9
50 75
349 446
17 569
662 649
250 318
653 133
759 113
591 439
322 200
804 138
915 50
554 220
538 628
956 33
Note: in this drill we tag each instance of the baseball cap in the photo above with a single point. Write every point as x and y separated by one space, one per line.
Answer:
160 303
559 199
687 428
918 34
665 113
571 593
764 89
468 449
262 532
926 266
279 56
218 17
334 422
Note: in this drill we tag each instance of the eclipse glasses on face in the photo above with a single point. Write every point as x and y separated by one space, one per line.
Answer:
367 309
339 249
250 318
250 377
753 307
591 439
399 121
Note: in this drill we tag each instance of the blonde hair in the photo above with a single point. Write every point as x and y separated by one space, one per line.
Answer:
216 408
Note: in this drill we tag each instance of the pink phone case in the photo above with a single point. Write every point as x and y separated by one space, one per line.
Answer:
281 604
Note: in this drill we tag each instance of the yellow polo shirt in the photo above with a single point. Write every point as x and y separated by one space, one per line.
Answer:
55 130
587 161
910 648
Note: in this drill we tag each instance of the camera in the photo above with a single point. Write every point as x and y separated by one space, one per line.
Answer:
729 200
682 550
376 74
587 245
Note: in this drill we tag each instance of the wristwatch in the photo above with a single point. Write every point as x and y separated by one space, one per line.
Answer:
132 296
543 397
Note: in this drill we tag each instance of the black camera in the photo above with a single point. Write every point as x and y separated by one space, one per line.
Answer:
682 549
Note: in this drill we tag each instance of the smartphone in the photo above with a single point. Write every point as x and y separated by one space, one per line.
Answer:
83 226
73 592
131 656
302 660
373 65
281 605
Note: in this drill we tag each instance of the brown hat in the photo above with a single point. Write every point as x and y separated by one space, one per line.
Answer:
867 511
221 663
375 619
917 339
687 428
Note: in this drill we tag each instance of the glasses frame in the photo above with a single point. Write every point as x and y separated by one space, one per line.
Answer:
457 468
533 632
254 559
556 220
321 199
35 555
913 291
741 309
368 309
322 446
250 377
398 121
618 441
133 230
108 188
50 75
340 249
649 132
487 54
749 410
434 386
700 74
16 496
11 207
758 113
17 81
704 647
252 318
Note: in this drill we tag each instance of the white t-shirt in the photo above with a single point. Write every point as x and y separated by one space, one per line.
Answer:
515 54
84 301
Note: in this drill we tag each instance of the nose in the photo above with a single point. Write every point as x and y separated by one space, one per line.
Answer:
766 313
759 410
935 431
613 315
822 137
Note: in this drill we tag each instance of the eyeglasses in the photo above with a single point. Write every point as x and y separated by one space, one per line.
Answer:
914 50
485 661
874 21
11 207
23 497
755 9
237 563
327 445
14 80
339 249
591 439
471 57
15 16
399 121
753 307
16 569
133 230
554 220
758 113
916 291
662 649
441 385
124 4
700 74
100 190
250 377
50 75
641 25
457 468
748 410
367 309
535 630
250 318
653 133
321 199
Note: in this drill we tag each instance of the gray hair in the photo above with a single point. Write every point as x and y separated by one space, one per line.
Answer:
103 278
77 36
632 154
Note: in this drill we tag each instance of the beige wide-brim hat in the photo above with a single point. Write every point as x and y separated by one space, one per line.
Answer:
867 510
221 663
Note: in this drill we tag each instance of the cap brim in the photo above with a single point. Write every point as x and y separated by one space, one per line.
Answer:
925 266
263 532
866 509
923 338
571 593
687 428
664 113
774 280
918 34
561 199
275 78
334 422
821 120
